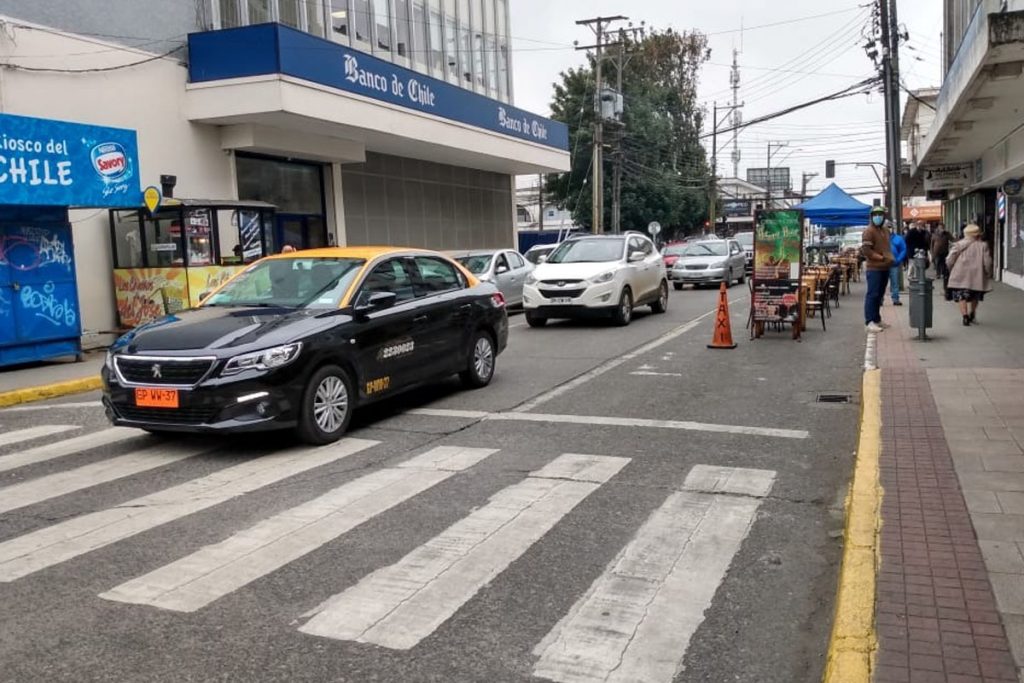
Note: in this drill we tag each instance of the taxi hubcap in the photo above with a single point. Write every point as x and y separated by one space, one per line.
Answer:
330 404
483 358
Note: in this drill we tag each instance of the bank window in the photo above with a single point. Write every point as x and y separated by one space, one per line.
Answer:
288 12
418 26
362 20
502 53
402 27
314 16
478 55
339 18
490 48
229 14
258 11
465 51
435 276
436 40
382 25
451 51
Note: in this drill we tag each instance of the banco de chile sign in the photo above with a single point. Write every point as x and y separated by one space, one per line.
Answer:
271 48
59 163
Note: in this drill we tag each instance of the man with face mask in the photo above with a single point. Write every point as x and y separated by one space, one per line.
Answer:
878 254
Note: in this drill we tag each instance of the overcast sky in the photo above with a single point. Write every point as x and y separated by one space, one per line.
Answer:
781 65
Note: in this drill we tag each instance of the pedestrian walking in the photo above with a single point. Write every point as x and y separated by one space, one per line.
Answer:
941 240
878 257
898 245
970 271
917 240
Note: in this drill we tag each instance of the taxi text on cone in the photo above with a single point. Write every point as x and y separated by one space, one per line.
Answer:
722 338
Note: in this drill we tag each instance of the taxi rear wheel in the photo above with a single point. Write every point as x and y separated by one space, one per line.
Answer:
326 406
480 366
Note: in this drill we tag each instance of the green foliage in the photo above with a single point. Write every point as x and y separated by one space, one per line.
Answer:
665 175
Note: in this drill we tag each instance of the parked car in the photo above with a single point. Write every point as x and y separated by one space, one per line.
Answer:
534 253
746 240
599 275
671 252
300 340
709 262
503 267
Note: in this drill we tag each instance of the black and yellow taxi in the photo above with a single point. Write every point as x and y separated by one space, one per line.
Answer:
299 340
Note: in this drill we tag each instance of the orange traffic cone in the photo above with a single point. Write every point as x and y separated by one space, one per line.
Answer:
722 339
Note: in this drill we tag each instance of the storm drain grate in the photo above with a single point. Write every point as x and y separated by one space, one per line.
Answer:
834 398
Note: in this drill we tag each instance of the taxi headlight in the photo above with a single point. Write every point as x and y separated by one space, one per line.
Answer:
603 277
268 359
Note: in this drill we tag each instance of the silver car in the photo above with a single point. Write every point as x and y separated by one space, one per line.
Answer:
505 268
709 262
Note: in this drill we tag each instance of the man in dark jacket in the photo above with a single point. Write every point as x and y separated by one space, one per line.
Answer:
940 250
917 238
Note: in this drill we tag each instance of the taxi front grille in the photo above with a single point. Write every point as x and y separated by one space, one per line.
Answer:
163 371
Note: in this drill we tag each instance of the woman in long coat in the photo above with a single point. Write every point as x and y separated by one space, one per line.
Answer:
970 271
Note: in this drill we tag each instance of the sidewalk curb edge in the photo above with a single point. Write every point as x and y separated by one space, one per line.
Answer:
853 640
45 391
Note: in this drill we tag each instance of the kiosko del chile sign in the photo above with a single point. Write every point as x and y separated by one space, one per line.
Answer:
274 49
57 163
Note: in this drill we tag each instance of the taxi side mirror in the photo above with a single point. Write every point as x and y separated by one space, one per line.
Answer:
370 302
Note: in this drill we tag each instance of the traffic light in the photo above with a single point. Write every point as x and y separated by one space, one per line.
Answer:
830 169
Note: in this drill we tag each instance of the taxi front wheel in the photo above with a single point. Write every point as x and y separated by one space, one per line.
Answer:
480 366
326 406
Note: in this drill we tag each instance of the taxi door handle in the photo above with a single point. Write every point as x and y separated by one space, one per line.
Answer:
420 319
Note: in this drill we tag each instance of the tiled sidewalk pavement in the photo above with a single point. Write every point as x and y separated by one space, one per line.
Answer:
937 616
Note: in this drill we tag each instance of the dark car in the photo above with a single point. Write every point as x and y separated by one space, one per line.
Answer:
297 341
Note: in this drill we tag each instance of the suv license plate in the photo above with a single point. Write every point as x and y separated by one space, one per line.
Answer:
561 301
156 398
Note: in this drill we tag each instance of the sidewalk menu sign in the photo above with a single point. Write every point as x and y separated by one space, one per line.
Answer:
778 254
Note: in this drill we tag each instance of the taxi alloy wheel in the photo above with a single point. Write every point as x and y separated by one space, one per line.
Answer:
326 406
480 368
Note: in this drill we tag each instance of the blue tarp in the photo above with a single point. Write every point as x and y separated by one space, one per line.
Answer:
833 208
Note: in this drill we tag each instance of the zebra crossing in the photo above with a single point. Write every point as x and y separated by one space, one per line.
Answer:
633 623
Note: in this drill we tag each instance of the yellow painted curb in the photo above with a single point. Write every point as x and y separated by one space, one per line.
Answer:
853 641
45 391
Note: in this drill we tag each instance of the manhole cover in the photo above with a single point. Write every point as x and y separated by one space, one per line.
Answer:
834 398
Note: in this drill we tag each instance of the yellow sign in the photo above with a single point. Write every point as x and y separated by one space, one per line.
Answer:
151 197
145 294
204 280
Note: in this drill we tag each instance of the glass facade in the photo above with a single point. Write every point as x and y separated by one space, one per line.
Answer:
461 41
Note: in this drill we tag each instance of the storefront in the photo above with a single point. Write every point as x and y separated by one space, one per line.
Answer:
46 167
166 261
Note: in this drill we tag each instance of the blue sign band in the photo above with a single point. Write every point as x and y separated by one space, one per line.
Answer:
275 49
58 163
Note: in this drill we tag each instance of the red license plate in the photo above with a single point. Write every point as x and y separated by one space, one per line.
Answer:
156 398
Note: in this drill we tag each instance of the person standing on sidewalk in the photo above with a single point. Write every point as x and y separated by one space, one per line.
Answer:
917 239
878 260
899 257
941 240
970 270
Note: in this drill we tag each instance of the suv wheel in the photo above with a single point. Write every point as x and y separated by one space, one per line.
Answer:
624 311
534 320
480 365
661 303
326 406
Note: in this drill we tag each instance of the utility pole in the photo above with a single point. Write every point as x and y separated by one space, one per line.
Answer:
768 182
713 191
626 36
737 117
598 25
803 185
540 199
891 82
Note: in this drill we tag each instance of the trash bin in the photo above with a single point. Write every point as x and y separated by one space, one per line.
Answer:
921 287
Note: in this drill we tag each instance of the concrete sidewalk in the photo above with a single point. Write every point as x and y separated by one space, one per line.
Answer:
37 381
950 599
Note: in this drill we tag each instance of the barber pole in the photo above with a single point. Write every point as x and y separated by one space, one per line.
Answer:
1001 206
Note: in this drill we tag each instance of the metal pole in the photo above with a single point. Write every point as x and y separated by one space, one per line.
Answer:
768 181
713 194
540 199
617 171
597 189
890 82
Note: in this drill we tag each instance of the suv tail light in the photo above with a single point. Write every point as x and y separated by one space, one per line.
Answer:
498 300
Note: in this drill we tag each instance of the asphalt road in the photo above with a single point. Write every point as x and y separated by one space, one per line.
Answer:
620 504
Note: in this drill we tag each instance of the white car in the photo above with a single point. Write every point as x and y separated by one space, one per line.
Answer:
599 275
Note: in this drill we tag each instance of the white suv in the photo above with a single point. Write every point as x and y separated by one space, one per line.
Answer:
597 275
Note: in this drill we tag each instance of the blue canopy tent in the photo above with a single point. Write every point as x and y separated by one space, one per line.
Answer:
834 208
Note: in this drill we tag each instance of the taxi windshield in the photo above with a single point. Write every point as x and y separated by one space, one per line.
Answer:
707 249
290 283
477 263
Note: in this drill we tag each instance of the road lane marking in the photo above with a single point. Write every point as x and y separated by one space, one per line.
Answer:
20 435
613 363
59 449
400 605
212 572
53 406
636 620
68 481
605 421
60 542
648 373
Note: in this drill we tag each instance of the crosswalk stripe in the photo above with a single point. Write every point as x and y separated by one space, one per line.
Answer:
636 620
63 541
217 570
59 449
19 435
400 605
68 481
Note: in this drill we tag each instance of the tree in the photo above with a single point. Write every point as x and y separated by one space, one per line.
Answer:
665 174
